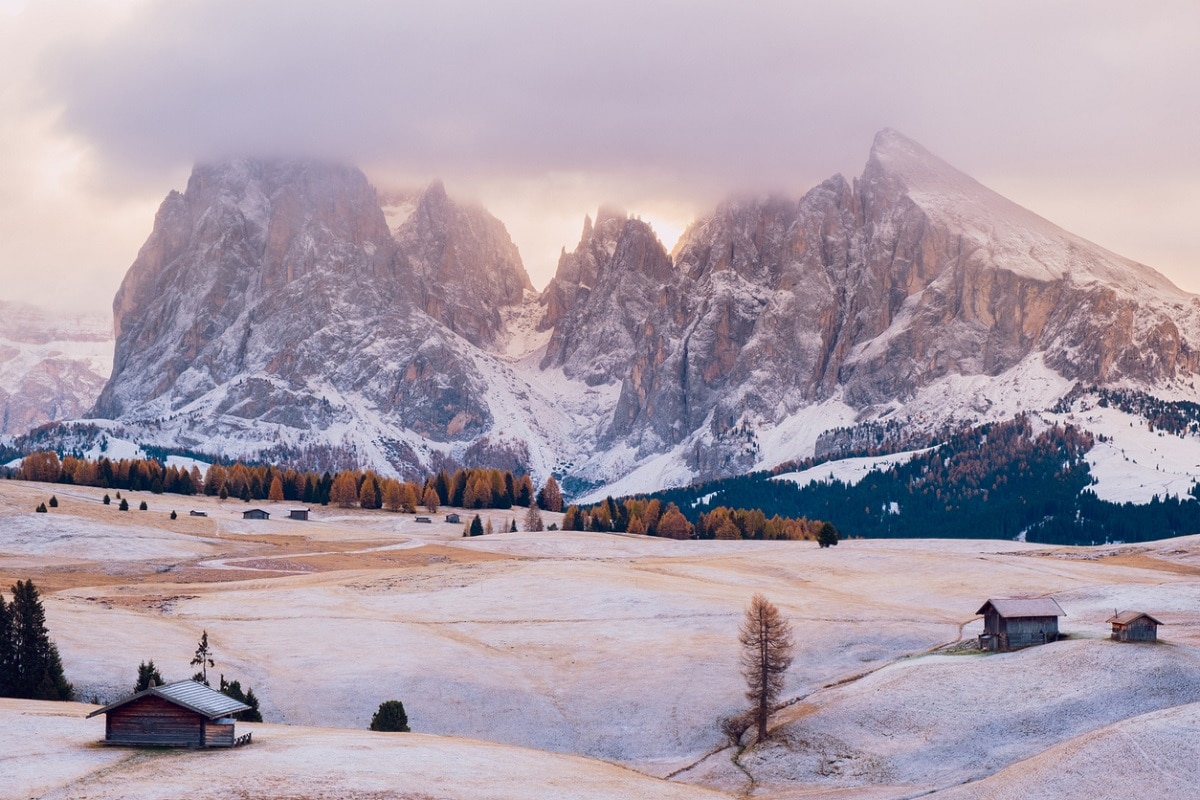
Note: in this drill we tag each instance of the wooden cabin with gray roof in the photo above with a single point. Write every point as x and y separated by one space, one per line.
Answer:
1010 623
181 714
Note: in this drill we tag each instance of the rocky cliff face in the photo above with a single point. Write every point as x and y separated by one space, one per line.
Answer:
271 299
864 293
50 368
288 302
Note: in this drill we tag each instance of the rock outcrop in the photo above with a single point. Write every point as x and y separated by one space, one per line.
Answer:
286 302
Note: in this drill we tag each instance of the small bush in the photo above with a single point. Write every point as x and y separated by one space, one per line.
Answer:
53 501
124 505
390 717
107 500
142 506
41 509
174 515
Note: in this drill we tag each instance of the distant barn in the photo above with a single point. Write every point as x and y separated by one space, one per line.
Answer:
182 714
453 518
1009 624
197 514
255 513
298 513
423 519
1134 626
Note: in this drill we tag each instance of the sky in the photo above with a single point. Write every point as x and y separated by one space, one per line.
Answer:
1086 113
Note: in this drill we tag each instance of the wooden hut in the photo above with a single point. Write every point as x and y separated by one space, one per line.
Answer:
1134 626
453 518
298 513
181 714
1009 624
255 513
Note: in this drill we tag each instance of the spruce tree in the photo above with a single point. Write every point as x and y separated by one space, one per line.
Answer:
147 672
124 505
203 659
828 535
6 649
477 526
35 670
233 689
53 501
390 717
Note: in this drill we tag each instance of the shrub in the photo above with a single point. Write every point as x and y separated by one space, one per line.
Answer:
390 717
53 501
173 514
124 505
107 500
142 506
41 509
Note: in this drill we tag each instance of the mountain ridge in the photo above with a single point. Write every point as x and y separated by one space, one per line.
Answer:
288 305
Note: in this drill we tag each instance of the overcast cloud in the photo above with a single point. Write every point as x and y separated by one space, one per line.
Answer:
1088 113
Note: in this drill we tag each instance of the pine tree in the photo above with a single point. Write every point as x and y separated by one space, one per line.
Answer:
533 519
7 675
766 639
203 659
147 676
477 526
35 669
390 717
41 508
367 493
173 514
393 495
124 505
550 497
142 506
674 525
430 500
408 498
107 500
827 536
233 689
53 501
344 491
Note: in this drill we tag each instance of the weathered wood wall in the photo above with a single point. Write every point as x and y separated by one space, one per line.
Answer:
1140 630
218 734
1001 633
153 722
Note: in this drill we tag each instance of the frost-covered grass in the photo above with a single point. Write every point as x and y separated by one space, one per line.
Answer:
604 646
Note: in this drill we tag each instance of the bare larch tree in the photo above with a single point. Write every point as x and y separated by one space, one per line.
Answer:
766 638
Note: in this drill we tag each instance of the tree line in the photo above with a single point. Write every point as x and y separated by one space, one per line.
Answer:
465 488
648 516
994 481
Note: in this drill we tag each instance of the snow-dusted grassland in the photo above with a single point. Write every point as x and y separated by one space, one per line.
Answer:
558 665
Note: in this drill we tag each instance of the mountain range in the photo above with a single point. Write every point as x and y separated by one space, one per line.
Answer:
287 310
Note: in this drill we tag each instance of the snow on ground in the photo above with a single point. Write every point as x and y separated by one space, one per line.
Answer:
848 470
1137 463
1156 755
596 645
51 752
796 436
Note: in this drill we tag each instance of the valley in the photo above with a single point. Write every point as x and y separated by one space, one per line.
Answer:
579 664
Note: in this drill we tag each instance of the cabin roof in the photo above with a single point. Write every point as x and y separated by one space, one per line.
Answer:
191 695
1126 617
1009 607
